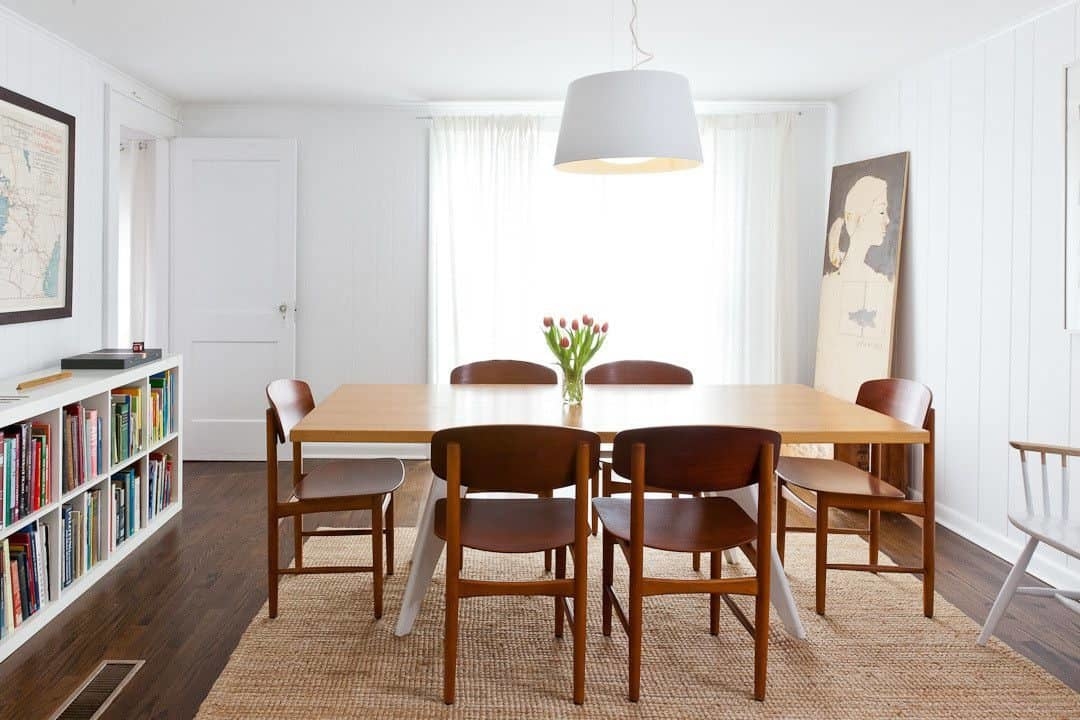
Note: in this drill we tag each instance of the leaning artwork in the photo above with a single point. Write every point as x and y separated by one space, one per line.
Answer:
859 274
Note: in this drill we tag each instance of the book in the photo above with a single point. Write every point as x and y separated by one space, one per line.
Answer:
9 605
110 359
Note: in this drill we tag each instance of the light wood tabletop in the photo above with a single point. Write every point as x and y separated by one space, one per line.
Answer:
413 413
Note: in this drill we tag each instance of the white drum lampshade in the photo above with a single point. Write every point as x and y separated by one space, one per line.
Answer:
628 121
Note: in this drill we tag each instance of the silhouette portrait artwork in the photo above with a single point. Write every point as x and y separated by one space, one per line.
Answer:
859 272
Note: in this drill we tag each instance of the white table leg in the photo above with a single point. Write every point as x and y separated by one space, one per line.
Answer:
425 557
782 599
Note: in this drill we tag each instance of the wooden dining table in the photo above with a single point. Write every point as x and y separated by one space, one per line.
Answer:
413 413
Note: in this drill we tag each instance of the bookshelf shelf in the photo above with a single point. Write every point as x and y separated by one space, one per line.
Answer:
76 525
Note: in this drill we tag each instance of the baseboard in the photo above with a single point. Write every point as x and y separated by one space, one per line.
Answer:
1053 573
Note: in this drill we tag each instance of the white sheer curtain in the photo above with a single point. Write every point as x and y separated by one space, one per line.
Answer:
695 268
135 216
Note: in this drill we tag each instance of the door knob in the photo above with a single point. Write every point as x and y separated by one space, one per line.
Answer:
283 309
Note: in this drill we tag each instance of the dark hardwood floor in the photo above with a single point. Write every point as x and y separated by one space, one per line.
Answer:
183 599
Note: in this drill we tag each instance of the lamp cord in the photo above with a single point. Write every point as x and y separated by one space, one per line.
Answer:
633 33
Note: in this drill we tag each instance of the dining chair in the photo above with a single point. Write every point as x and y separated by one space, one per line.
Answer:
521 459
341 486
1045 519
836 484
692 459
503 372
506 372
634 372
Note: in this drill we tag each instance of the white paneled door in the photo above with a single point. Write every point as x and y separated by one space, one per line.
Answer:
233 287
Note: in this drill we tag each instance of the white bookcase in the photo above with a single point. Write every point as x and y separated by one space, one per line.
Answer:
45 405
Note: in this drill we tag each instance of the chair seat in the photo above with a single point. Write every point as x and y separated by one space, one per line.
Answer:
1059 533
682 524
512 525
833 476
351 478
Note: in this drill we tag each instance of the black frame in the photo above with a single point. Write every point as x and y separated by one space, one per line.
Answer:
21 316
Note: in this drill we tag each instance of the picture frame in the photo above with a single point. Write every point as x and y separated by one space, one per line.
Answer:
37 210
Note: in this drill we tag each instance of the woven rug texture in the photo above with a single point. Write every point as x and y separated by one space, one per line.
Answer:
873 655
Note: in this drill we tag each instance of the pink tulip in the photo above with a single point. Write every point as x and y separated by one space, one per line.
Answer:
575 325
562 322
548 322
587 320
564 342
603 328
596 329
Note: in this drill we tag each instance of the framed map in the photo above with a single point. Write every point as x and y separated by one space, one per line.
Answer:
37 209
858 283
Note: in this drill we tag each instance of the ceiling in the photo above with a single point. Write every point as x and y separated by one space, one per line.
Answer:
392 51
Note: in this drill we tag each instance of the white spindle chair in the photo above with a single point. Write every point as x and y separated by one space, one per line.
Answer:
1043 520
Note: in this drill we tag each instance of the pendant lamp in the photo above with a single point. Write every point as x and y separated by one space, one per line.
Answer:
629 121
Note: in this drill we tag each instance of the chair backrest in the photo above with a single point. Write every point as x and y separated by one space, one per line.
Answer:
503 372
638 372
906 400
1046 506
514 458
696 458
290 400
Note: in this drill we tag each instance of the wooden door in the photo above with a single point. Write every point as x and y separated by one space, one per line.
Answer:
233 287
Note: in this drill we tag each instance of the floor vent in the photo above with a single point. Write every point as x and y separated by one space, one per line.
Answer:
99 690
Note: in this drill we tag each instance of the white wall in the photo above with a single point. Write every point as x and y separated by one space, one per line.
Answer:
362 235
982 295
39 65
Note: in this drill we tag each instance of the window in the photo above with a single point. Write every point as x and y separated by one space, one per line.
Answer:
694 268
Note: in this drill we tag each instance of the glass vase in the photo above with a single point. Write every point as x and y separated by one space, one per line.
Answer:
573 385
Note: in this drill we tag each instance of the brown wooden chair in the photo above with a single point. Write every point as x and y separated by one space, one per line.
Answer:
503 372
837 484
342 486
506 372
634 372
691 459
524 459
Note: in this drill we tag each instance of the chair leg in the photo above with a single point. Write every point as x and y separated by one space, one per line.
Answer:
781 520
928 530
695 560
875 527
272 564
715 569
595 493
560 573
607 578
450 639
547 561
298 540
761 637
821 548
581 601
1008 590
635 612
377 555
388 531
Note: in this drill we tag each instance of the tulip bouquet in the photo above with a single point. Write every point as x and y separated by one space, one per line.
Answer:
573 348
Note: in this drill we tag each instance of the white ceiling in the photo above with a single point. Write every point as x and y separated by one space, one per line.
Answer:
388 51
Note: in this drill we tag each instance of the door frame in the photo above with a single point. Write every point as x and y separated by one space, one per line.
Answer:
123 115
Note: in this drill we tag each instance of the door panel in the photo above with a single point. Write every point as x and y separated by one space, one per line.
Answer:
234 269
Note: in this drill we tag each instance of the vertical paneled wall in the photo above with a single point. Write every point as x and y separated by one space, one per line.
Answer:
39 65
981 313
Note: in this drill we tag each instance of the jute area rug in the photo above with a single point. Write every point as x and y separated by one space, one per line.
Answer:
873 656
